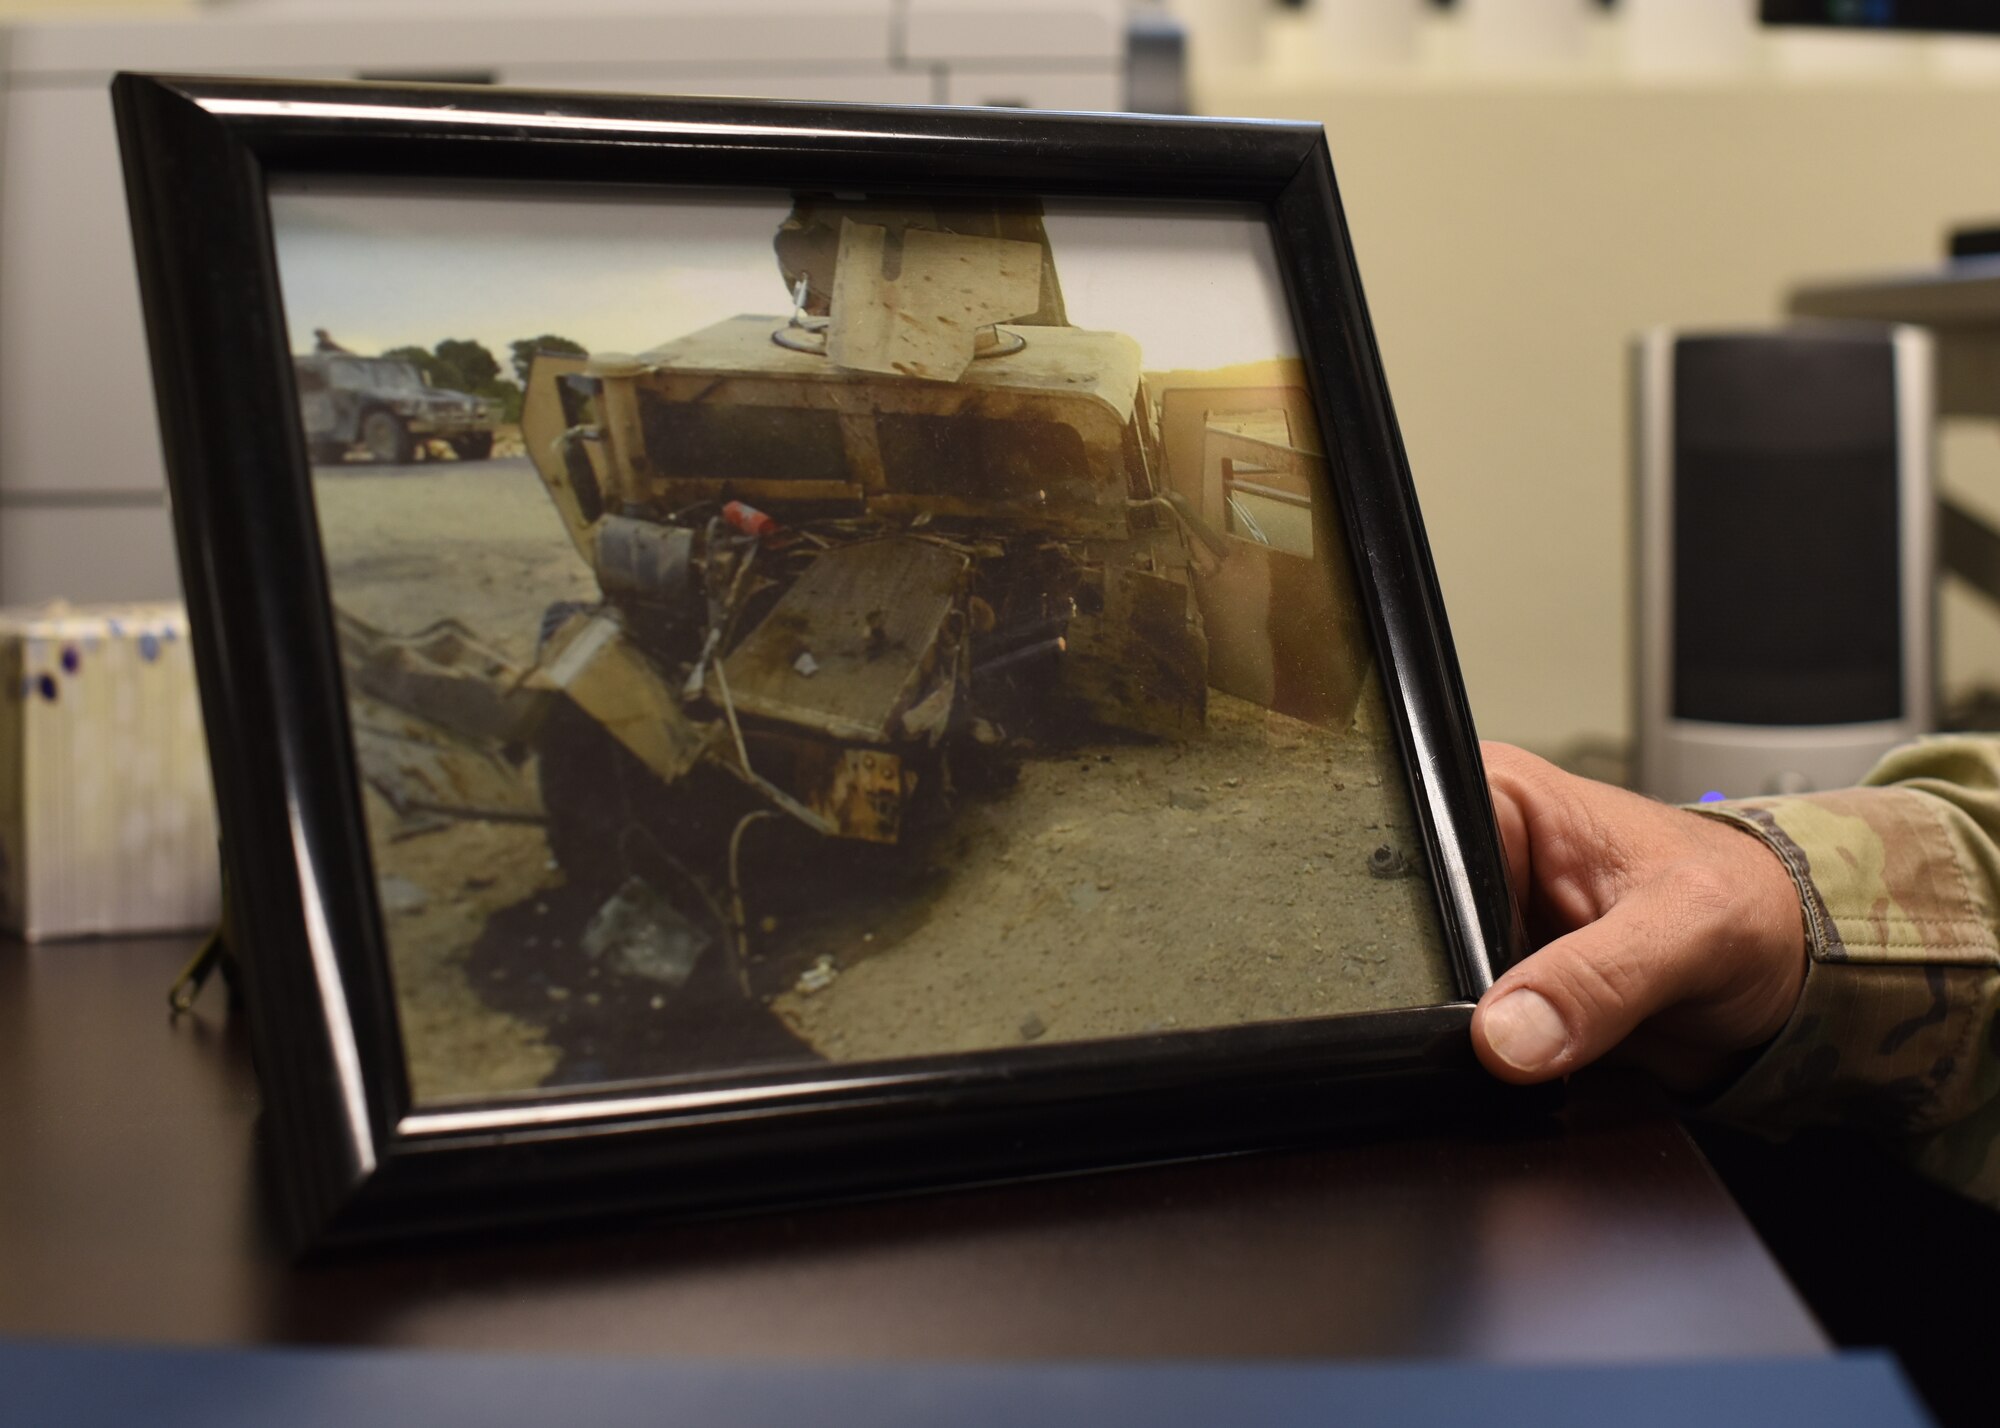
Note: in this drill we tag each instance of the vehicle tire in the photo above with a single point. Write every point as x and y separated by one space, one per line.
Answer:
476 446
608 814
327 453
585 775
587 780
387 439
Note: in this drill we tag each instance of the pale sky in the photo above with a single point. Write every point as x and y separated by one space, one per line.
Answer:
388 266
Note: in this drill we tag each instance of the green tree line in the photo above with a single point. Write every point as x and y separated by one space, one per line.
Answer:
464 365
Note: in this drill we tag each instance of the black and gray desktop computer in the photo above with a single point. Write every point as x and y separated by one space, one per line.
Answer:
1784 556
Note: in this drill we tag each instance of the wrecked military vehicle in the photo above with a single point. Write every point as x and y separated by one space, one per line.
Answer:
850 561
835 553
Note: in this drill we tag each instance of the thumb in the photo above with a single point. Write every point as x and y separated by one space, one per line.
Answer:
1583 993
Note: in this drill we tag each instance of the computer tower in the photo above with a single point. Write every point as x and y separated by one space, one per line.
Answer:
1784 556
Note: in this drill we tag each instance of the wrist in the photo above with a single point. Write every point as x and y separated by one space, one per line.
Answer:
1772 925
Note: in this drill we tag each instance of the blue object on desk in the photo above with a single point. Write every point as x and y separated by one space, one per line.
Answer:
111 1386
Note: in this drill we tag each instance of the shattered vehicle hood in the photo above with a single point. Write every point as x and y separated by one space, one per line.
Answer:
848 649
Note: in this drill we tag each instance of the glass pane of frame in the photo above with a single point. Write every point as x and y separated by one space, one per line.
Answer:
786 628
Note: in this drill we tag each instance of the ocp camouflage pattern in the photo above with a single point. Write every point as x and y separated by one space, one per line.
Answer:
1896 1032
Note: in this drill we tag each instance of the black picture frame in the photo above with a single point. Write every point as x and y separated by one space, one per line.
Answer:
354 1160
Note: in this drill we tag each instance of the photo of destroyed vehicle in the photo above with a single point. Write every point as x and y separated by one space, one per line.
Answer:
821 605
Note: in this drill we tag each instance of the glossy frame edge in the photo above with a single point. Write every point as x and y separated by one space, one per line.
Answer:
354 1160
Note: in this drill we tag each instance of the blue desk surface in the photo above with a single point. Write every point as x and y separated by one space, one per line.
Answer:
77 1385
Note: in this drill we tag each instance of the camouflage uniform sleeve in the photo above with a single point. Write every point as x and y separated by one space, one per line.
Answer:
1895 1034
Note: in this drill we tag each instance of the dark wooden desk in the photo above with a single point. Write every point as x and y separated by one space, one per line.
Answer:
129 1208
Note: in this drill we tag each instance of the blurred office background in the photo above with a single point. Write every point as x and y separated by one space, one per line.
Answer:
1529 183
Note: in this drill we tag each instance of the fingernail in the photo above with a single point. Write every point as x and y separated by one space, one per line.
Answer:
1524 1030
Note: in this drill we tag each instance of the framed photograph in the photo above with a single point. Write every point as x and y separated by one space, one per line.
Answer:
757 652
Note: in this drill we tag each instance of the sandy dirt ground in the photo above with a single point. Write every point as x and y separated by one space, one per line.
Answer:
477 540
440 887
1267 870
405 546
1133 888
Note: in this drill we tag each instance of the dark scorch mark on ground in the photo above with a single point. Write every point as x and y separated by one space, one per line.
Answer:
610 1025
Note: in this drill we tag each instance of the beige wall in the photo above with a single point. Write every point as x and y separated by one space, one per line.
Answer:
1512 238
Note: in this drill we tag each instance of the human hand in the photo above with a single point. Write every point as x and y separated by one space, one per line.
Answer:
1675 938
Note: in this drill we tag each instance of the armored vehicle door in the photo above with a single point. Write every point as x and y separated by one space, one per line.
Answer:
316 412
1284 626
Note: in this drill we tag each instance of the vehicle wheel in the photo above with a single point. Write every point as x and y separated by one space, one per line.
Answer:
477 446
583 773
608 814
586 780
327 453
387 439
